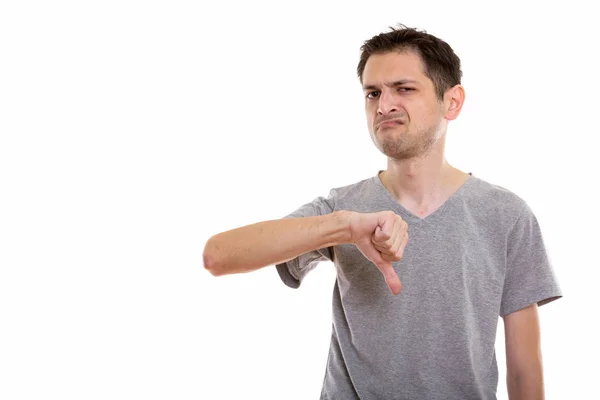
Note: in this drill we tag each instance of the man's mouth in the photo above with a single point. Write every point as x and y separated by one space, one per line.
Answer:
391 122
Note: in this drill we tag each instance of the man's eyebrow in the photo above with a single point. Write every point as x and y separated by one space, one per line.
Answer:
390 84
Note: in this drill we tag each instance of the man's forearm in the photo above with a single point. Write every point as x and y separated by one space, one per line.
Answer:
272 242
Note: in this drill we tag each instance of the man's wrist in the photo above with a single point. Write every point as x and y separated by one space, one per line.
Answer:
342 219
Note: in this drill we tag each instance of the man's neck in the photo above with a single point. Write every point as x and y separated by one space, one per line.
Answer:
422 182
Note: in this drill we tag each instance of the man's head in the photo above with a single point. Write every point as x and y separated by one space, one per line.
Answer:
411 83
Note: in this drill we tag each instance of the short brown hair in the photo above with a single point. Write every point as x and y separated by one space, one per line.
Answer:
441 64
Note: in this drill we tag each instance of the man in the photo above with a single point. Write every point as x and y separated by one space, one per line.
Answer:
475 250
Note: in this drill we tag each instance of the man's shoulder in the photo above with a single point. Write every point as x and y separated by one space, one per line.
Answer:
357 190
491 196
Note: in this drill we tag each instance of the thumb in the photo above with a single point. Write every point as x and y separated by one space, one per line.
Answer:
390 276
387 270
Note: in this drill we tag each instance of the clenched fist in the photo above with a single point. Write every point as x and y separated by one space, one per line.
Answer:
381 237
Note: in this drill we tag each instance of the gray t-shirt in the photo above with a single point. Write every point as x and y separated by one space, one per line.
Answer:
479 256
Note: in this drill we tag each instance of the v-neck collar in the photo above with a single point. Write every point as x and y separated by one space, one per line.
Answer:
408 215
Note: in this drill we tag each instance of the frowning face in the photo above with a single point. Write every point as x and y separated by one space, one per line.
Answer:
404 115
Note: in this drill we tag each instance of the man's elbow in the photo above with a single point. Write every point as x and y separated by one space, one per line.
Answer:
210 262
527 383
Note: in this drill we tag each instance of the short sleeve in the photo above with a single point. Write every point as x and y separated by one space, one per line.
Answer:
530 277
293 271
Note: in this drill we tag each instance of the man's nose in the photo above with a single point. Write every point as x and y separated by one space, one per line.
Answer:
386 103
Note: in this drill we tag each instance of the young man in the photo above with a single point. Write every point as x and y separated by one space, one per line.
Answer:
475 250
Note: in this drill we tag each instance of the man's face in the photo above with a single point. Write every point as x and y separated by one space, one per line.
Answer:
404 115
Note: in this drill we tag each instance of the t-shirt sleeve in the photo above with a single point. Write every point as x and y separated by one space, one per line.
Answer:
530 277
292 272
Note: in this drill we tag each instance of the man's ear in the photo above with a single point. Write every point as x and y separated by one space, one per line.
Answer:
454 99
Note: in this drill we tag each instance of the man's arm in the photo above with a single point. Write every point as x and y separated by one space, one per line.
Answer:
524 376
255 246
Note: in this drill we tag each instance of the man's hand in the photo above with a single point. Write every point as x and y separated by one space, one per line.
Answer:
381 237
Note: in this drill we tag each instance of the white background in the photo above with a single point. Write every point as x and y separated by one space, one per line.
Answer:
131 132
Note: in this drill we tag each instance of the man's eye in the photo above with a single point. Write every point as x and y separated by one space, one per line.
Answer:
405 89
372 95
